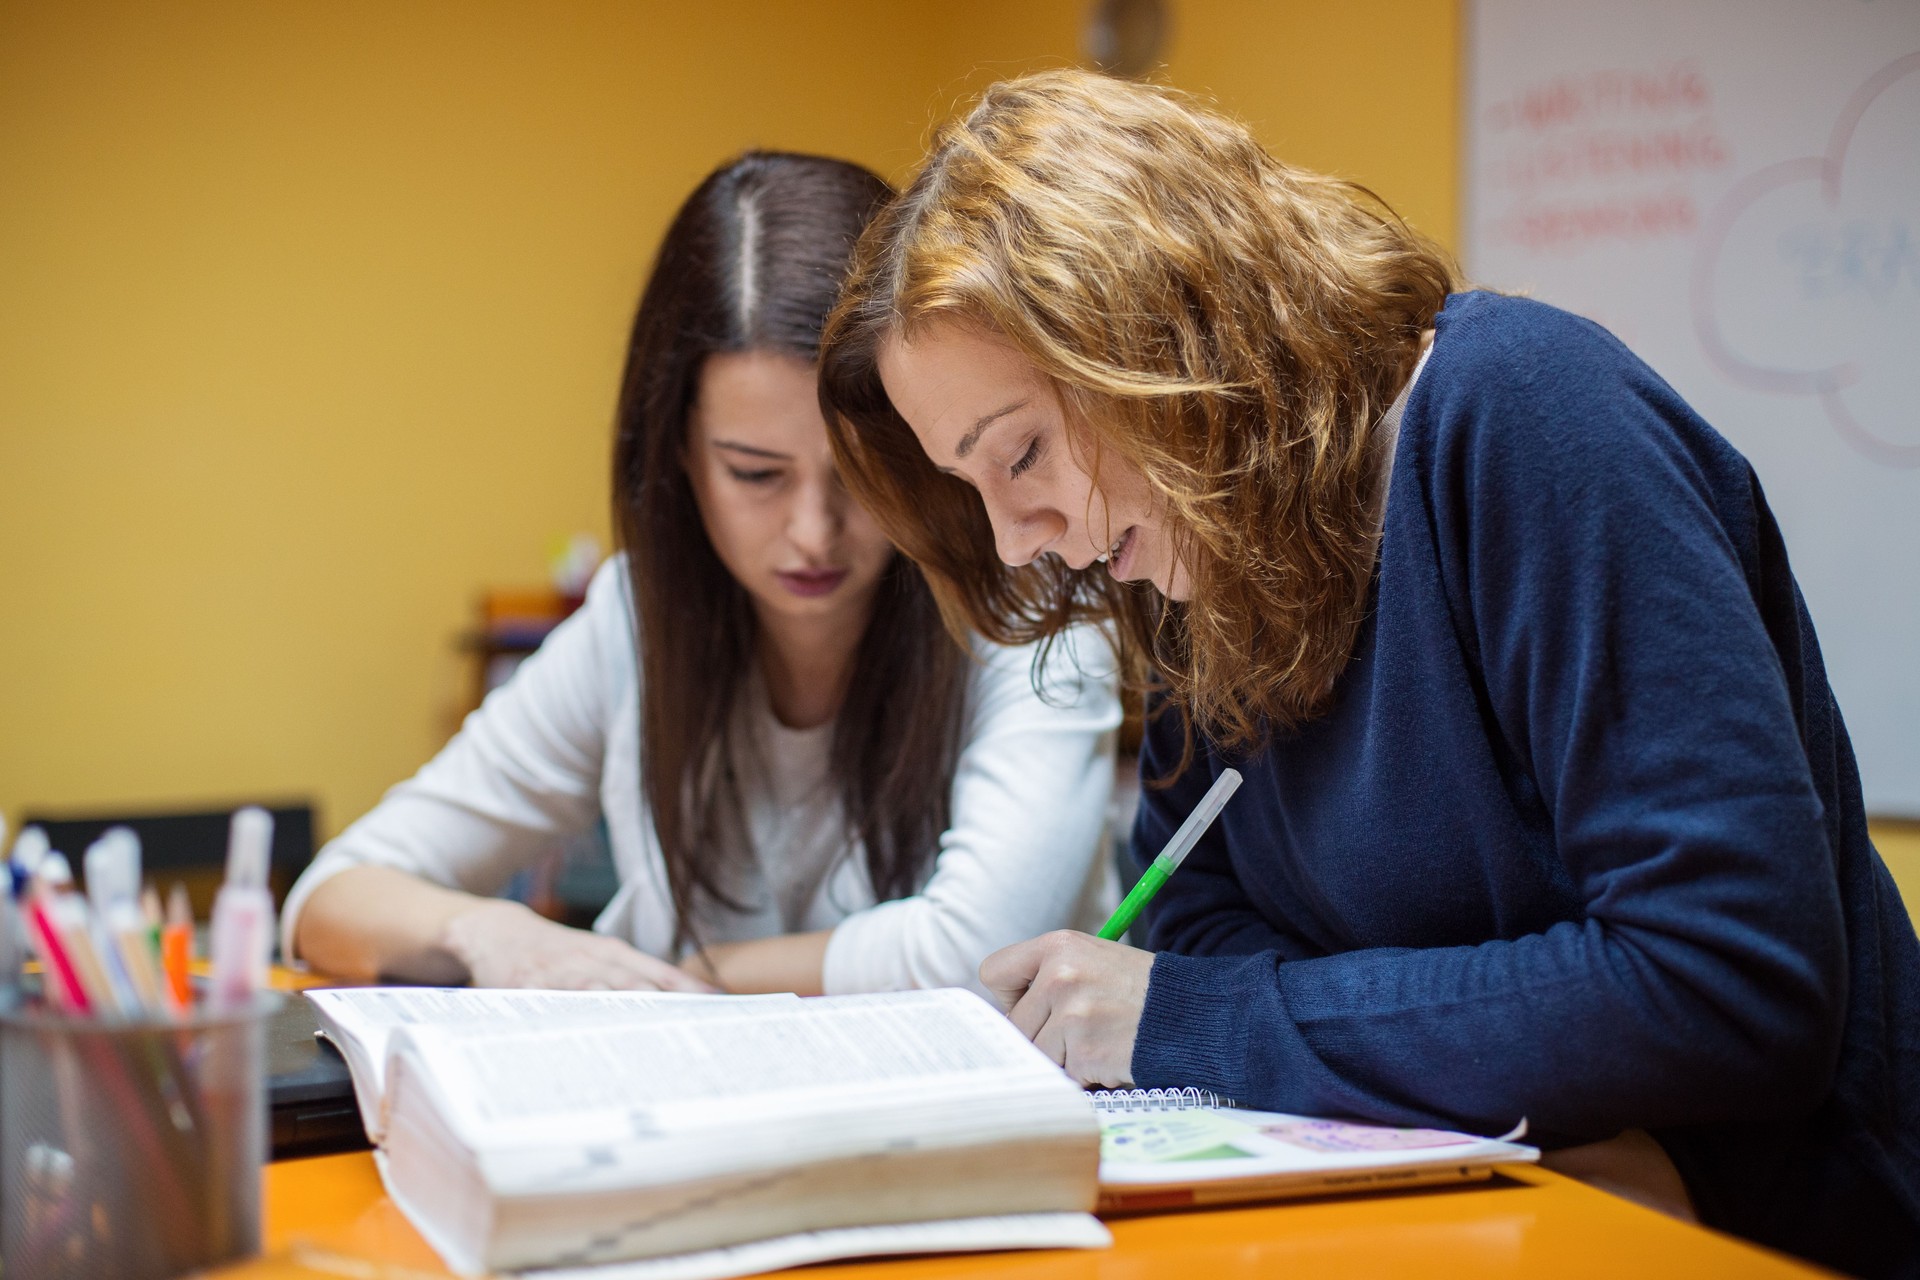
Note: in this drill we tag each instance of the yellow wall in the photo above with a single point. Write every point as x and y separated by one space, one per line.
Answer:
313 314
1365 89
1899 844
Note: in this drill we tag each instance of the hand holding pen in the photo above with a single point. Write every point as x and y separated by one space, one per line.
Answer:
1079 998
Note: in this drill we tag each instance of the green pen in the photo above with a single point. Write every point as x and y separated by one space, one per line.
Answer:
1173 855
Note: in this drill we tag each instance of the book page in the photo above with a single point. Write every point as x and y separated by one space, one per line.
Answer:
363 1020
674 1072
959 1235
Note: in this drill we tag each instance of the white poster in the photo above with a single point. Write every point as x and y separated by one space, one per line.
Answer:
1733 187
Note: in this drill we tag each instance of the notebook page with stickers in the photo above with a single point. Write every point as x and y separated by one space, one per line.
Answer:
1170 1149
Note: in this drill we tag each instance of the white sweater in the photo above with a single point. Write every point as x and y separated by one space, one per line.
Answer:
558 746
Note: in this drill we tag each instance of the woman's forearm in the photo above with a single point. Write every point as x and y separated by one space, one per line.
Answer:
372 923
793 962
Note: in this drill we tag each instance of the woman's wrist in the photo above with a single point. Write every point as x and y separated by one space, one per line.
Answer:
469 928
701 965
787 962
376 923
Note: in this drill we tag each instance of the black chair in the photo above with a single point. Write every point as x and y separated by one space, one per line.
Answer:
190 847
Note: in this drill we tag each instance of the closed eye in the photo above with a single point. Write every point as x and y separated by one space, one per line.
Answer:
1027 459
754 477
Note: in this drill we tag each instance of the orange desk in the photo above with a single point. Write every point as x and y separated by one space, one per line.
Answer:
328 1216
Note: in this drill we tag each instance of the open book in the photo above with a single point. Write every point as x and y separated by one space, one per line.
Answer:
691 1123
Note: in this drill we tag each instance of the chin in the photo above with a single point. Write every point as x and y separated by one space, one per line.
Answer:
780 600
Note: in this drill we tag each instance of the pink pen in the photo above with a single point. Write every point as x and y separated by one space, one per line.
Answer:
63 985
243 912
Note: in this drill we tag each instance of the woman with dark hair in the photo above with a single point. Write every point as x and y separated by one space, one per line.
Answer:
807 785
1549 811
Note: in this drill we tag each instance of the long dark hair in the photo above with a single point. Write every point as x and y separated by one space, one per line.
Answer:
752 262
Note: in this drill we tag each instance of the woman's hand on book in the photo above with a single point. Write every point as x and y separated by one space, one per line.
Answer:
504 944
1078 998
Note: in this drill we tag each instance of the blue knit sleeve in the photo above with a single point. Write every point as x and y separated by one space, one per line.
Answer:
1601 594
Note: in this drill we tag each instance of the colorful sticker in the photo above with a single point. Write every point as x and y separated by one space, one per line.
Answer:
1338 1136
1157 1138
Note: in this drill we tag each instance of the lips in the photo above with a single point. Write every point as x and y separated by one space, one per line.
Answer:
1118 555
809 583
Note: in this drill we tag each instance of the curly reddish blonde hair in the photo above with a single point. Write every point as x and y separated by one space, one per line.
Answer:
1230 326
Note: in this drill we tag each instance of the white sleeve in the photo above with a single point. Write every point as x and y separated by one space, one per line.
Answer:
1026 848
523 771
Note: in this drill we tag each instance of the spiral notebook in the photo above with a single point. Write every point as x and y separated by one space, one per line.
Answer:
1178 1148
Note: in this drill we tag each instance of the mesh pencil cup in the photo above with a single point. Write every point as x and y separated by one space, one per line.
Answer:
130 1149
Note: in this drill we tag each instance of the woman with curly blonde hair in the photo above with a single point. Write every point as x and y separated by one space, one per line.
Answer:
1550 813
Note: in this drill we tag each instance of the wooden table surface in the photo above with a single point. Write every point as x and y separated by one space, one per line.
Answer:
328 1216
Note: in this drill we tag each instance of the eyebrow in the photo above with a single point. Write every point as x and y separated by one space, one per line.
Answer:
747 448
967 441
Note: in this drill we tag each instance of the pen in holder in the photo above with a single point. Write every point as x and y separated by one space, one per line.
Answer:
130 1147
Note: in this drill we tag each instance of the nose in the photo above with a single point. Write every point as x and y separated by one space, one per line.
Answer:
819 514
1021 537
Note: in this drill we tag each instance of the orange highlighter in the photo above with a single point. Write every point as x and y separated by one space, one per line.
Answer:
176 949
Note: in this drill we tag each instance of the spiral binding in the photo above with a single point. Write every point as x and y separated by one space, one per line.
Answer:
1158 1099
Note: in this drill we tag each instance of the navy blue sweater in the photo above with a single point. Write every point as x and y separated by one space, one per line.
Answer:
1580 838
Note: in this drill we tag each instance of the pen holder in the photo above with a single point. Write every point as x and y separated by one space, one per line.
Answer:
130 1149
